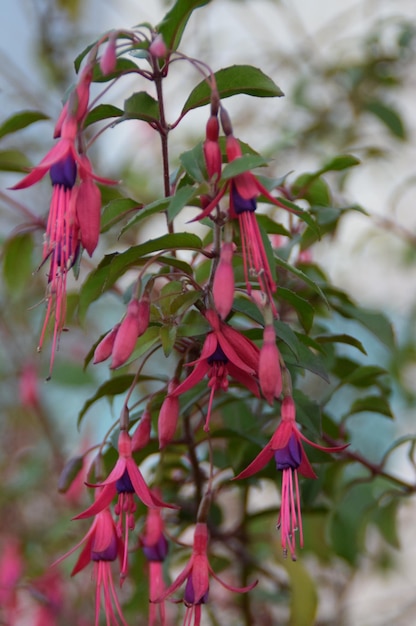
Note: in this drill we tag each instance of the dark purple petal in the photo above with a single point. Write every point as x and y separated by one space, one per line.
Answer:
124 484
217 356
189 596
239 204
157 552
109 554
290 456
64 172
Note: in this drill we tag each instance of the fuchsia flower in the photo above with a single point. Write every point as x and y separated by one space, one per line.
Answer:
290 457
270 374
124 480
74 214
223 285
196 574
102 546
11 570
225 352
155 547
168 416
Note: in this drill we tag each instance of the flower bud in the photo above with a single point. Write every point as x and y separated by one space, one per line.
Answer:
88 208
212 150
223 286
158 47
143 314
105 347
168 416
126 337
108 60
270 375
141 435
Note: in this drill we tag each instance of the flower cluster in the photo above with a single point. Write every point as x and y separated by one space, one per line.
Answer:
231 355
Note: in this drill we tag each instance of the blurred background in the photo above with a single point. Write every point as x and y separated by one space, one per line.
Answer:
346 70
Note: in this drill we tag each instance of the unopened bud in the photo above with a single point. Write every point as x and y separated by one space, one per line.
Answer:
168 416
158 47
105 347
126 337
270 375
223 286
108 61
226 122
69 473
141 435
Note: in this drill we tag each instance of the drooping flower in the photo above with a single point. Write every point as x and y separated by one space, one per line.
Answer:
270 374
133 326
101 546
223 285
286 448
168 416
225 352
124 480
155 547
196 574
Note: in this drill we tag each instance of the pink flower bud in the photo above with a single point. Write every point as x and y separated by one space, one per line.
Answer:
105 347
223 286
158 47
88 211
270 375
126 337
168 416
108 60
212 150
141 435
143 314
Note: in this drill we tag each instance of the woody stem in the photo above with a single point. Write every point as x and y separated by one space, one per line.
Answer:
163 133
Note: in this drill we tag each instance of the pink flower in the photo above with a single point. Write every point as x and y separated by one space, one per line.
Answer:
133 326
225 352
270 374
11 570
196 574
102 546
223 285
290 457
124 480
212 150
155 548
108 60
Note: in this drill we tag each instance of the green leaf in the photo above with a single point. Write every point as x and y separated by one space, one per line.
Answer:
179 201
14 161
342 338
149 209
168 337
385 518
20 120
116 210
141 106
375 322
102 112
242 164
374 404
389 116
364 375
302 276
313 189
194 164
17 262
231 81
173 24
271 226
340 162
304 310
112 387
303 597
113 266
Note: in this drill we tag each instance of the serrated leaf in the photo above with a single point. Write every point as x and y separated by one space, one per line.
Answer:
237 79
102 112
242 164
173 24
21 120
389 116
141 106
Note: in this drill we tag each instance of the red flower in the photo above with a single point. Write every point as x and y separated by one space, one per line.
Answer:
290 457
155 548
102 546
225 352
125 480
196 574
